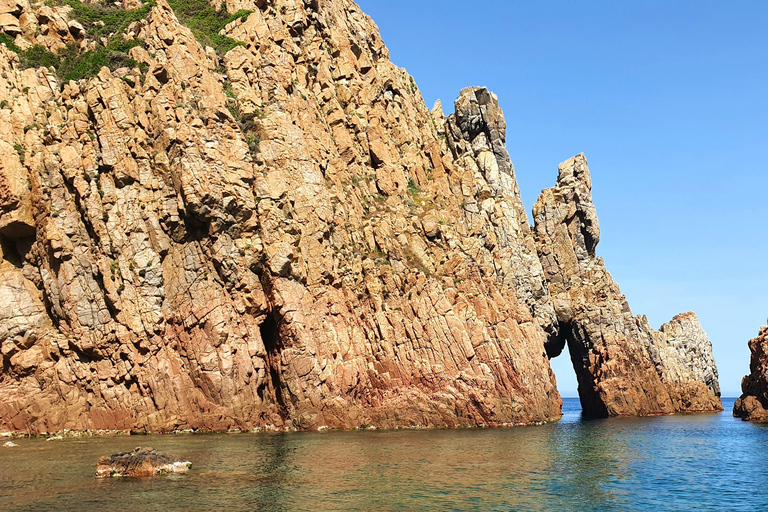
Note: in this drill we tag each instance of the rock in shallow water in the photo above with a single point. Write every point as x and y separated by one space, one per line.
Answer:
753 403
141 462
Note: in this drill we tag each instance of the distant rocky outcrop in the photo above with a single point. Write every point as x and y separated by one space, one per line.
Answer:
753 403
277 233
141 462
623 366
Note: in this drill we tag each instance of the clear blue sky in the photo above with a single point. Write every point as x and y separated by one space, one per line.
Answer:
669 102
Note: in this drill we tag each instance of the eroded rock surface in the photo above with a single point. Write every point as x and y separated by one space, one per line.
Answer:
34 23
683 357
753 403
476 135
623 366
276 237
141 462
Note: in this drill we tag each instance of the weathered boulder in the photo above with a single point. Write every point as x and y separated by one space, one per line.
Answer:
141 462
753 403
623 366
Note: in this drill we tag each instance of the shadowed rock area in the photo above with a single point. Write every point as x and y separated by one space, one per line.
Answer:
281 235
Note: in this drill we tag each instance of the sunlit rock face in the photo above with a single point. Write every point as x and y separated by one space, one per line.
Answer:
753 403
277 237
623 366
281 236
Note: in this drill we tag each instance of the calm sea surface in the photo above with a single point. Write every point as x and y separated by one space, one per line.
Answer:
701 462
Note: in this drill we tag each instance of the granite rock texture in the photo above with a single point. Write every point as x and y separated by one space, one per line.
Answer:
35 23
476 136
753 403
623 367
279 237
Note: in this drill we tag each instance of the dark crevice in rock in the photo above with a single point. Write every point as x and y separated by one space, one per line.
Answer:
592 404
85 356
14 251
111 306
6 366
555 342
53 266
18 229
195 229
587 232
273 345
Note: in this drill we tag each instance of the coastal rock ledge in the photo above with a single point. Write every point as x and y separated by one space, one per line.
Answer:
280 234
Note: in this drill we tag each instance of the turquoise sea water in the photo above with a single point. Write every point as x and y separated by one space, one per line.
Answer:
694 462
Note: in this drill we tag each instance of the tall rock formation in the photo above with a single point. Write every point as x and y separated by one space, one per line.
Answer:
275 234
280 237
753 403
623 366
476 136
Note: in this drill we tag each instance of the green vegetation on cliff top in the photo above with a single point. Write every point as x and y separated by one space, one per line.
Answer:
205 22
107 25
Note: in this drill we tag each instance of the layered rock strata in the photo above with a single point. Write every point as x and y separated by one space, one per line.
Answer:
623 366
753 403
278 238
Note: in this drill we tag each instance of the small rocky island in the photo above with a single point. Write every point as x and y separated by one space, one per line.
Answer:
753 403
278 233
141 462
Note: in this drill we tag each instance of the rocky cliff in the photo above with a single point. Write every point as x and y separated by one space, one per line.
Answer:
623 366
269 231
753 403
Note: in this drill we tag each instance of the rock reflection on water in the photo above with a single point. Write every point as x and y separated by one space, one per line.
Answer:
670 463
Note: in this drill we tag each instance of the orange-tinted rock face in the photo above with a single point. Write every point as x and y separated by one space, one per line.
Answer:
320 259
279 237
753 403
624 368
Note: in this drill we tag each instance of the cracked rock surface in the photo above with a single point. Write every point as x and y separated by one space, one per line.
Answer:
285 237
623 367
280 238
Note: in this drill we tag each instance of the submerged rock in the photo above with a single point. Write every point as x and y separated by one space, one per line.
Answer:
141 462
753 403
624 368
